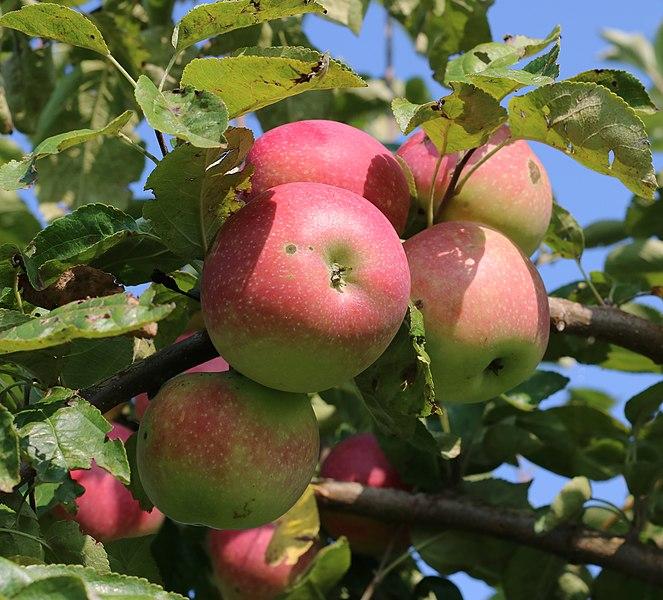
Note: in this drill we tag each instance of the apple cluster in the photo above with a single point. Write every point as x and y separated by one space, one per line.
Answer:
304 288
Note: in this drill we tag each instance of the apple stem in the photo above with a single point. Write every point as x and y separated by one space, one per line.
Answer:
477 164
590 284
430 213
382 568
451 190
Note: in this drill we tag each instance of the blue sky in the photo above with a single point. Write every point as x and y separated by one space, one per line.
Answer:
588 195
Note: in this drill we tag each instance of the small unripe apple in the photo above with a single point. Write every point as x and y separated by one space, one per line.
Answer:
360 459
485 309
220 450
215 365
336 154
240 569
107 511
510 191
304 287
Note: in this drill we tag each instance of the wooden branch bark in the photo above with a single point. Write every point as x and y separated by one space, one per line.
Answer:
569 318
574 543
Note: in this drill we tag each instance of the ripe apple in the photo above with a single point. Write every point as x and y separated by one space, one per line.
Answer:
510 191
107 511
336 154
485 309
220 450
240 569
214 365
304 287
359 458
420 155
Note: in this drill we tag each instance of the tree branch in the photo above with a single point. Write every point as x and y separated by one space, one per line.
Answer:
574 543
602 322
609 324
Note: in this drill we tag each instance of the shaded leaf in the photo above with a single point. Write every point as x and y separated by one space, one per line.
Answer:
604 233
346 12
17 224
133 556
593 398
622 83
436 588
68 545
135 486
541 385
257 77
589 123
638 260
199 118
60 436
56 22
188 216
644 406
564 236
9 452
20 536
209 20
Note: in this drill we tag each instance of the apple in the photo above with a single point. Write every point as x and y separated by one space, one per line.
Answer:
304 287
336 154
240 569
421 155
359 458
485 309
214 365
510 191
107 511
220 450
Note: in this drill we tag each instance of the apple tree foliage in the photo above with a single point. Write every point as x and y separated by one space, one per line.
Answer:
87 86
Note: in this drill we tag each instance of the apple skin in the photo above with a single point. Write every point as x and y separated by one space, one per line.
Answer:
420 155
220 450
509 192
485 309
360 459
107 511
215 365
240 569
304 287
334 153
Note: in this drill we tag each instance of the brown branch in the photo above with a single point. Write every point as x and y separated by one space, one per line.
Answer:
574 543
609 324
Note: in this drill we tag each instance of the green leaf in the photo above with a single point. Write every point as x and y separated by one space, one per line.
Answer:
68 545
100 236
188 217
591 124
21 535
564 236
56 22
567 505
645 405
631 48
18 174
576 440
199 118
639 260
612 585
209 20
64 435
498 492
593 398
59 587
326 570
15 580
548 577
436 588
464 119
443 30
604 233
622 83
644 218
135 486
17 224
346 12
9 455
487 65
133 556
257 77
537 388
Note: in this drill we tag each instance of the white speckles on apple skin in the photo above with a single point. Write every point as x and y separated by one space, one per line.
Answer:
277 316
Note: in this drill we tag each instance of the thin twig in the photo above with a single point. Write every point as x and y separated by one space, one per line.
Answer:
477 164
379 574
161 141
138 147
589 283
122 70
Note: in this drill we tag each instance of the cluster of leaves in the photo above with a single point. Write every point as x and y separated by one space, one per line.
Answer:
80 92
